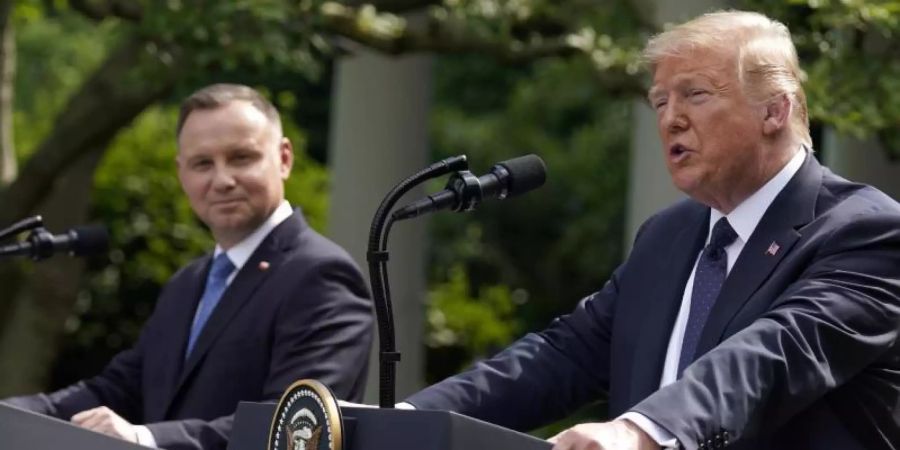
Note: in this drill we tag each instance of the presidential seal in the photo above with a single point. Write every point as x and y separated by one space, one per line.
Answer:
307 418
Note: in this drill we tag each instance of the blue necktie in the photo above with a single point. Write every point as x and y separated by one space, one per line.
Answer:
216 281
711 271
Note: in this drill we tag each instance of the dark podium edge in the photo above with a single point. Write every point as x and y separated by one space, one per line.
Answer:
393 429
25 430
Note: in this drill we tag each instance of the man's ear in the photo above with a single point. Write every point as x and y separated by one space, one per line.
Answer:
777 114
286 157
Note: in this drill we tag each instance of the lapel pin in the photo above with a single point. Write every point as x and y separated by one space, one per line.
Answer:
263 266
773 248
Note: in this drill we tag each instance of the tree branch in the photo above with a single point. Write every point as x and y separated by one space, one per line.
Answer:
445 38
394 6
102 9
106 102
131 10
8 165
341 18
440 38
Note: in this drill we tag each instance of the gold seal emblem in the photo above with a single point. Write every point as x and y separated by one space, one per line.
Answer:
307 418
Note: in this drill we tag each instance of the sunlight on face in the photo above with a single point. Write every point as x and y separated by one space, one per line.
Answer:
711 133
232 163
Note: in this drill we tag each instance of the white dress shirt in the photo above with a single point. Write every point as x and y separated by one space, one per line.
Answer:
743 219
239 254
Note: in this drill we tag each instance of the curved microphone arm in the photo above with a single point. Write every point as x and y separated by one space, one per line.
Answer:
377 257
27 224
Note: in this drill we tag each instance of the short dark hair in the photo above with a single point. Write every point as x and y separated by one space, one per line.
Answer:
218 95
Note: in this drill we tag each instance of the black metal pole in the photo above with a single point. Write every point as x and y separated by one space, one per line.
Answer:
377 257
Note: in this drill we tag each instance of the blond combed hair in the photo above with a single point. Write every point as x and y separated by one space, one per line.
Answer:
767 63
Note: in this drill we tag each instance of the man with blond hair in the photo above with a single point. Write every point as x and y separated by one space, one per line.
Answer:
763 312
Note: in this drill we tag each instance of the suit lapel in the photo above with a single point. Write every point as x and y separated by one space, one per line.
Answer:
772 240
188 291
659 304
233 299
272 250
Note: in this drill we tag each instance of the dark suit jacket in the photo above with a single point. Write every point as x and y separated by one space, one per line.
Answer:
801 350
307 316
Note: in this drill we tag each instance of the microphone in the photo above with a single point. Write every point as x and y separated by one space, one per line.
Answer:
464 190
79 241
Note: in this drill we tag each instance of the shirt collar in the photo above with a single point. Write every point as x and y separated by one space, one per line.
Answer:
240 253
747 215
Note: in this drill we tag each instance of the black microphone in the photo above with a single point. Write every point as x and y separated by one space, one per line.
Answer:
79 241
464 190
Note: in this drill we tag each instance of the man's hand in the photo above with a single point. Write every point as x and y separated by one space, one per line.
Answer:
615 435
104 420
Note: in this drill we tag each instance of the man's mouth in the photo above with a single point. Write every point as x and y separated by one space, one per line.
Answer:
225 202
678 152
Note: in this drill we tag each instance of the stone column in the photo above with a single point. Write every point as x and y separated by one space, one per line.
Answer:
862 161
379 135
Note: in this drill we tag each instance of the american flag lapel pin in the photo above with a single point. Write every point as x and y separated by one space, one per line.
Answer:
773 248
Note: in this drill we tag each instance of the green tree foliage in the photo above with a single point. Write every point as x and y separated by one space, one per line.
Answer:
550 247
559 243
479 323
851 55
49 73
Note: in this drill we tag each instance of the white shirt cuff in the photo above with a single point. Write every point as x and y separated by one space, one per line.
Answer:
660 435
144 436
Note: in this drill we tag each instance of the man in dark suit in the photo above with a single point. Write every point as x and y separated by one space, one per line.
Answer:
274 303
761 313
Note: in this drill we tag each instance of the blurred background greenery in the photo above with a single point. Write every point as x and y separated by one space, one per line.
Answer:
93 86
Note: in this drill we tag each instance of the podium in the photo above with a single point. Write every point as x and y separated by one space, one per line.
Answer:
391 429
25 430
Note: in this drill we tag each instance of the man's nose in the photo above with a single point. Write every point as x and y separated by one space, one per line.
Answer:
673 119
223 178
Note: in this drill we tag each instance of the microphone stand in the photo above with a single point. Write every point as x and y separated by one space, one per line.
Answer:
39 238
26 224
377 257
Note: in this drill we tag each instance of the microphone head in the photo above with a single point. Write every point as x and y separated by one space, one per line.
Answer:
89 240
525 173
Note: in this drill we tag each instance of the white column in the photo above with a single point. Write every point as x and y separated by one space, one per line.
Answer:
378 137
861 161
